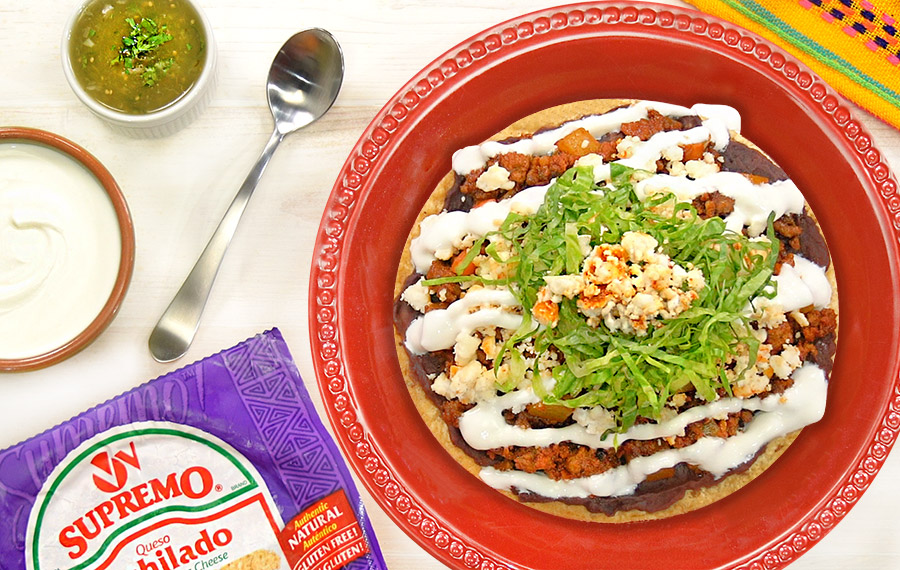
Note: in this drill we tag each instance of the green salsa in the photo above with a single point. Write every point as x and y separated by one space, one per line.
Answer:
137 56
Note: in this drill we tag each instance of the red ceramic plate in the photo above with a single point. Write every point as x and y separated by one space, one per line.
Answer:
565 54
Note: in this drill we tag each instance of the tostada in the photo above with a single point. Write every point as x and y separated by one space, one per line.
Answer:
617 310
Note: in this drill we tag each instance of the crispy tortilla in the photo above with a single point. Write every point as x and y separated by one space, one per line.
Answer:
693 498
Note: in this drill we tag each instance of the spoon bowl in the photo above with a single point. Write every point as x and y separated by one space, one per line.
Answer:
304 80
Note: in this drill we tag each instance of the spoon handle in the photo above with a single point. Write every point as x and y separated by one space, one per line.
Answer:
177 326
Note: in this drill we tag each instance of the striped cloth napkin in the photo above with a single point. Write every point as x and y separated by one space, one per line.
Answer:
854 45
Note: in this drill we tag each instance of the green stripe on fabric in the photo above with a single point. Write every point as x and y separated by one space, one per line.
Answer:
761 15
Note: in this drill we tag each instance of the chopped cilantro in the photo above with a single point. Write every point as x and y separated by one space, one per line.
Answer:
137 52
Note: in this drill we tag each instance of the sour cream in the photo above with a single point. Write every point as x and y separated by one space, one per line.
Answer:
60 249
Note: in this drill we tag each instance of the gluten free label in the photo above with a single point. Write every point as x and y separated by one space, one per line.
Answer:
325 536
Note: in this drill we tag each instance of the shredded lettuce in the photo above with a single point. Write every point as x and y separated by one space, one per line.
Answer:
633 376
630 376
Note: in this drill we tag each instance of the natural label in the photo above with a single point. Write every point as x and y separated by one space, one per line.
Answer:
153 496
326 536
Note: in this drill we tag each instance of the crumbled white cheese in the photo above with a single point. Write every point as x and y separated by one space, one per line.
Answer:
489 268
595 161
676 168
678 400
759 334
700 168
780 367
502 247
417 296
763 356
465 348
465 241
444 252
546 362
469 383
767 313
564 286
627 146
495 177
489 344
596 420
628 285
751 384
546 310
640 246
695 279
784 363
800 318
441 385
673 153
591 159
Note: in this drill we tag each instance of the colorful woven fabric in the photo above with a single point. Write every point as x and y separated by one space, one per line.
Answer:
854 45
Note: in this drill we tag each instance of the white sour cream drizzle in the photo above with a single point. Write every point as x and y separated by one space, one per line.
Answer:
484 427
59 249
752 202
796 287
438 329
800 405
441 233
646 154
718 120
801 285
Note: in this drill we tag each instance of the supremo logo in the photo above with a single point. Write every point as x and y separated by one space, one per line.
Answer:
115 466
111 475
130 485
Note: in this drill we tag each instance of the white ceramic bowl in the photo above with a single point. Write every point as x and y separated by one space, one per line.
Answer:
157 123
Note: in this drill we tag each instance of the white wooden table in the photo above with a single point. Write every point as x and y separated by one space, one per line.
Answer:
178 188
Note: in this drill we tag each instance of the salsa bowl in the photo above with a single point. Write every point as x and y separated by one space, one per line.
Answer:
147 69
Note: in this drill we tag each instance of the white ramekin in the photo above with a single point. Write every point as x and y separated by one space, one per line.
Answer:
158 123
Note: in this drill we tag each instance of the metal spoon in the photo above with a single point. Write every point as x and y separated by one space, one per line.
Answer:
303 83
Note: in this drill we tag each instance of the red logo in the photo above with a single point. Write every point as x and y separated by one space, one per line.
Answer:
113 469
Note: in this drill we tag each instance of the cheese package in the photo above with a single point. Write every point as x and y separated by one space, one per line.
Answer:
223 464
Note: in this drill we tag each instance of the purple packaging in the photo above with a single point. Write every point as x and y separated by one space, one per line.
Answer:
223 464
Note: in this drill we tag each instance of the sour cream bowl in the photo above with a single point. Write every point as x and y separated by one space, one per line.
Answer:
151 93
68 248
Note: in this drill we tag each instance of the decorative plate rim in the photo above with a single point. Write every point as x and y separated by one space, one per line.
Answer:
337 393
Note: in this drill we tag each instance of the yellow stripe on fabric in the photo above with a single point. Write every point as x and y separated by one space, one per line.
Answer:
825 41
844 61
